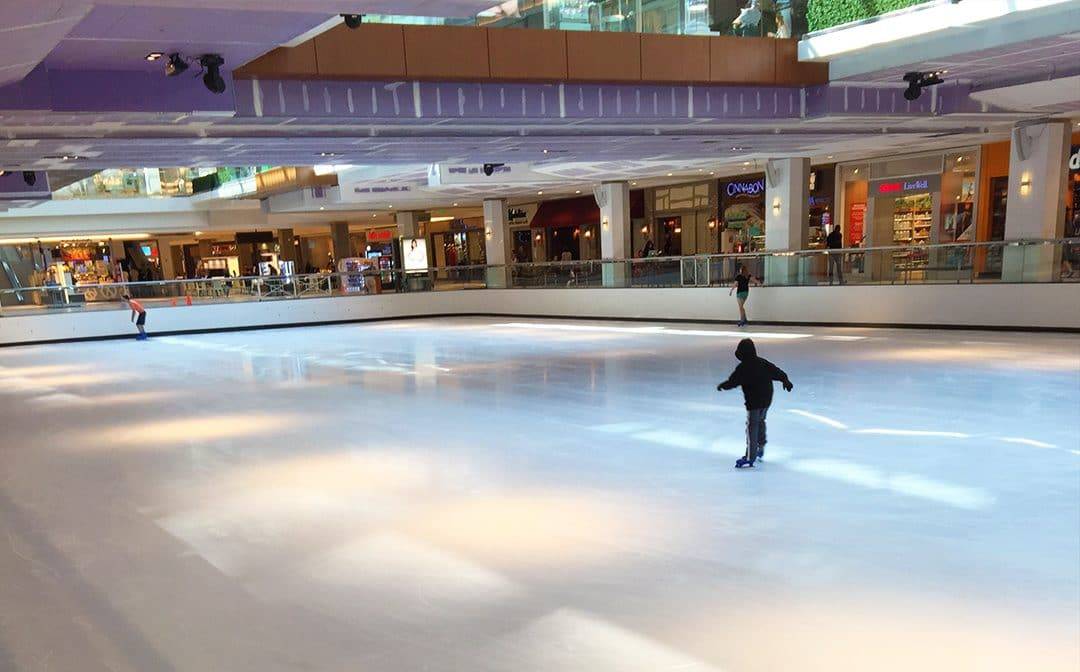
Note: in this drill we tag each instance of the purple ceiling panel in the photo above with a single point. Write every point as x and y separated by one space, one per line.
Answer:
102 90
1019 62
119 38
15 187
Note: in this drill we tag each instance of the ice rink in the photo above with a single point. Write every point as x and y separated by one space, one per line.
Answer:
479 495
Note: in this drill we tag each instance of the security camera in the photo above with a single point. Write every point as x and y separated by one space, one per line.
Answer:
175 65
353 20
917 81
211 64
489 168
29 177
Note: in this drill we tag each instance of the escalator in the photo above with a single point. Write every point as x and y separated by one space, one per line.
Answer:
12 278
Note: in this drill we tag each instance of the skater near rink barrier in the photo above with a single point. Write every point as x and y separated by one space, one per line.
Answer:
755 375
742 284
137 309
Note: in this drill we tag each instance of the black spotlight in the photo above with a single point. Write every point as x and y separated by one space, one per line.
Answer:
175 65
30 177
211 64
353 20
489 168
917 81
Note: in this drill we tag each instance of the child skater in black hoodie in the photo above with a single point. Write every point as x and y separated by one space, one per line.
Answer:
755 375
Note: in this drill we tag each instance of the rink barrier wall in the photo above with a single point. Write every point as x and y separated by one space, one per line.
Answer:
1035 307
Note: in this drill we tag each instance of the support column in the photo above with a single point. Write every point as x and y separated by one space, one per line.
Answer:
165 257
615 234
497 243
408 224
339 240
285 245
1037 184
787 196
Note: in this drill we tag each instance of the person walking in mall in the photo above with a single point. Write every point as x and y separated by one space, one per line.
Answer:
835 241
755 375
137 309
742 283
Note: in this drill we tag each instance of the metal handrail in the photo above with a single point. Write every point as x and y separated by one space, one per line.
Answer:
556 265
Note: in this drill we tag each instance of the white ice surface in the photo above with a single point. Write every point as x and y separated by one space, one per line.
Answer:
483 495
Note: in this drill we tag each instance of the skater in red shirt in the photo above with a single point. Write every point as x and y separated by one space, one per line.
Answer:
137 309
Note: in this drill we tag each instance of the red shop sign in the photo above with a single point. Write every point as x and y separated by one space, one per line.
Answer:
380 236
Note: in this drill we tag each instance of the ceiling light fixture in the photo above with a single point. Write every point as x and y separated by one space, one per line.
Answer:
917 81
175 65
211 65
154 56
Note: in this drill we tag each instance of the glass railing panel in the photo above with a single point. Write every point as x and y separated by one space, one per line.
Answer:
1038 261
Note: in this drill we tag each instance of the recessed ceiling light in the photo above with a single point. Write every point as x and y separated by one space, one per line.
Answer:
711 172
634 184
390 206
322 207
545 151
63 157
154 56
746 163
578 191
328 154
539 193
455 205
829 156
671 174
373 215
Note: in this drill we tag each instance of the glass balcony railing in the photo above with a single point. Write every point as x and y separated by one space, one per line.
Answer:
759 18
1037 261
153 182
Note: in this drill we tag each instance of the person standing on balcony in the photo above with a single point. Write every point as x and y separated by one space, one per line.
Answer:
741 288
835 241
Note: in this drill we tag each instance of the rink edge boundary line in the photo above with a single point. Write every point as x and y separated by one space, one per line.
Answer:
665 320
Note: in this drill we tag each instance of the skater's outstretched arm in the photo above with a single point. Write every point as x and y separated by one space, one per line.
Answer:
778 374
733 381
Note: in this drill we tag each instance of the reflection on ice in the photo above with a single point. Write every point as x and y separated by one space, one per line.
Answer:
398 567
912 432
911 485
819 418
572 641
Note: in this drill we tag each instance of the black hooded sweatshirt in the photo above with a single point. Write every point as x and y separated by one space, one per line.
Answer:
755 375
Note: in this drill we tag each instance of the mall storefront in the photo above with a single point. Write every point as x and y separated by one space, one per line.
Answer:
910 202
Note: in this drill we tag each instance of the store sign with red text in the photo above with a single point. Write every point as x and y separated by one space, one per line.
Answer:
905 186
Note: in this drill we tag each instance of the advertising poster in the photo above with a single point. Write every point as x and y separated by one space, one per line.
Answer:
414 251
743 203
856 222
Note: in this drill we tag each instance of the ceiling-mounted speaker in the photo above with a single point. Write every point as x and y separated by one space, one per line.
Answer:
721 14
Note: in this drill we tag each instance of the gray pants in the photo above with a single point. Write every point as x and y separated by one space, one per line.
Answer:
836 263
755 433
